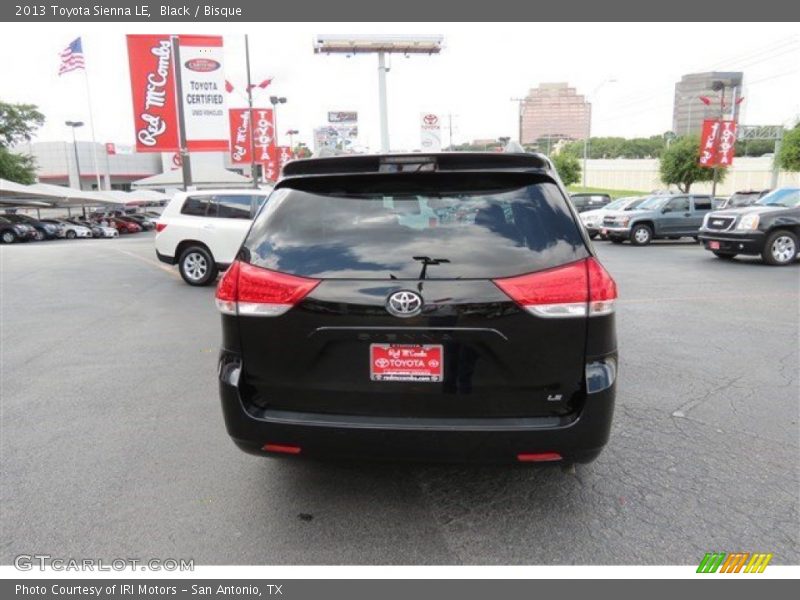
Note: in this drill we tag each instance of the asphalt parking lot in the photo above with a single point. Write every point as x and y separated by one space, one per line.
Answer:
113 443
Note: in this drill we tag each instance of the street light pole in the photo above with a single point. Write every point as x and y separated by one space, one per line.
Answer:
74 125
291 133
382 102
720 87
253 168
589 127
275 100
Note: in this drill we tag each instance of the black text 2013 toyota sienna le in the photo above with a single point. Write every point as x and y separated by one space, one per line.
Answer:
432 307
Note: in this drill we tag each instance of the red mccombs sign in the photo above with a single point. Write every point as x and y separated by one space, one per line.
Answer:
153 90
717 143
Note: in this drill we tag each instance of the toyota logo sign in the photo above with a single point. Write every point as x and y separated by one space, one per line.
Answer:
404 303
430 119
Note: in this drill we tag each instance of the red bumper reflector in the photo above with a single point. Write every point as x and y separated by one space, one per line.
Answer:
282 449
539 457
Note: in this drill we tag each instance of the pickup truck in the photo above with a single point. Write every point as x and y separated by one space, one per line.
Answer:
669 216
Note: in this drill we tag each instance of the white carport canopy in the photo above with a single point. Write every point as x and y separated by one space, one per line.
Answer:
50 195
205 176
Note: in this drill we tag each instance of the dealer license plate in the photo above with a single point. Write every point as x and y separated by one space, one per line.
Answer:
406 362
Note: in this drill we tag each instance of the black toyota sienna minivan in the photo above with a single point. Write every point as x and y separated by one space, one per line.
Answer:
431 307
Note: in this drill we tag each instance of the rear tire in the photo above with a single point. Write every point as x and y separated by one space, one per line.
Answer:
9 237
780 248
71 235
724 255
197 266
641 235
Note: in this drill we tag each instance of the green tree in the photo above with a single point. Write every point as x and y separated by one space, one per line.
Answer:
17 167
680 164
18 123
568 167
789 157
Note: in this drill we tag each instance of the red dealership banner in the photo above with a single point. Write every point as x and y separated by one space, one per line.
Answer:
239 135
717 143
726 143
153 91
278 156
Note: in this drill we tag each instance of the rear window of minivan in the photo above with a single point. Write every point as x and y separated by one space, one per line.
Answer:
467 226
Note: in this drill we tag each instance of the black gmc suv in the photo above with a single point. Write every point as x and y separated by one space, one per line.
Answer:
433 307
770 228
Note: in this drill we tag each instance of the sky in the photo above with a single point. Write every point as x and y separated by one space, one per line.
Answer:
471 83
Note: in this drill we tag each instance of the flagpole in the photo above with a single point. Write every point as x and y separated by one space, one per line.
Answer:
91 128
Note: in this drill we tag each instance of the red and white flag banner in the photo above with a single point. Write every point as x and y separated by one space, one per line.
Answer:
278 156
240 134
717 143
153 90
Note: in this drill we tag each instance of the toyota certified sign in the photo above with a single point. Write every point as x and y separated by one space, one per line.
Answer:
430 132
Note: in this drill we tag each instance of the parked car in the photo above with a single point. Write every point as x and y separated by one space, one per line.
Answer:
98 230
201 231
744 198
11 232
44 231
121 225
146 223
485 335
658 217
770 228
593 219
583 202
70 230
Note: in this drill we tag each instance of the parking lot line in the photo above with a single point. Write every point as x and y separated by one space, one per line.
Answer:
149 261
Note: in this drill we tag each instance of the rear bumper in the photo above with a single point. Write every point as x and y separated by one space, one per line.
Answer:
739 243
577 438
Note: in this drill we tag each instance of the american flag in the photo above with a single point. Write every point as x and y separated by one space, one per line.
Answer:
71 57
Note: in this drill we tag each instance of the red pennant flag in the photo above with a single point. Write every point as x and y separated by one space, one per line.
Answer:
265 83
228 86
705 99
739 101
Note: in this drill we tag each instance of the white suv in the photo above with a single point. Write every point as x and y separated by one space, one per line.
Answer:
201 231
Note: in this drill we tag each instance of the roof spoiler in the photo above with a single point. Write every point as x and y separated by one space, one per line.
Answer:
416 163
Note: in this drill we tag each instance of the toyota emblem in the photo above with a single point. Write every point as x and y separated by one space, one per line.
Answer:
404 304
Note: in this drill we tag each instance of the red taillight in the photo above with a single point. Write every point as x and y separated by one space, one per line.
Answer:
281 448
160 227
602 288
539 457
253 291
573 290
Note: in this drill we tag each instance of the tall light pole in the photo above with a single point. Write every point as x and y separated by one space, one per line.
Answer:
589 126
718 86
380 45
251 132
291 133
74 125
520 102
275 100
